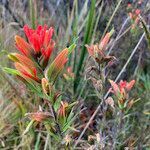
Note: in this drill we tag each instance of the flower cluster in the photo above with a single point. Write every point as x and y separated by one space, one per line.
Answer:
35 55
134 14
121 91
33 68
40 43
97 51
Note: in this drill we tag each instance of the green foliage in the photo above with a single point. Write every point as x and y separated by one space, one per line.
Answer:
11 71
76 23
87 38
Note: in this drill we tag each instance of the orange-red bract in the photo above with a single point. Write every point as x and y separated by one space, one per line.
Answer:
57 65
26 72
62 109
40 42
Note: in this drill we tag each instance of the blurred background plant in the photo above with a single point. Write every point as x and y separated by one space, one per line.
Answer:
83 22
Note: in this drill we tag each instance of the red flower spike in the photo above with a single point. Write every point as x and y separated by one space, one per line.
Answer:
39 38
122 86
97 50
23 46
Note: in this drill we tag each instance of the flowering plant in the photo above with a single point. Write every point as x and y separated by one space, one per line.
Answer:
121 91
33 68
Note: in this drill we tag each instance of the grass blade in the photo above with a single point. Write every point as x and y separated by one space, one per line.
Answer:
87 38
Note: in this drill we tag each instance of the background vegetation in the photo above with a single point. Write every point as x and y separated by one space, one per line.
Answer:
83 22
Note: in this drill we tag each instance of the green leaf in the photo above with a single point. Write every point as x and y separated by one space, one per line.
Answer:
69 121
48 128
70 116
12 57
11 71
57 104
71 48
28 127
35 89
71 105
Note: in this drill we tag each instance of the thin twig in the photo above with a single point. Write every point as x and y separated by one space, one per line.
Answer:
133 52
118 36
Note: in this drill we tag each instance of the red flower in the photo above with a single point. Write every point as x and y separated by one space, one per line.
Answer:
134 16
40 42
121 87
40 37
98 51
121 92
137 11
35 55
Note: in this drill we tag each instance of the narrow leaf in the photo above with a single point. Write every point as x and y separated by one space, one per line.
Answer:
11 71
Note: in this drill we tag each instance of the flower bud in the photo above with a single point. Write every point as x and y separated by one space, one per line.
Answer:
45 86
